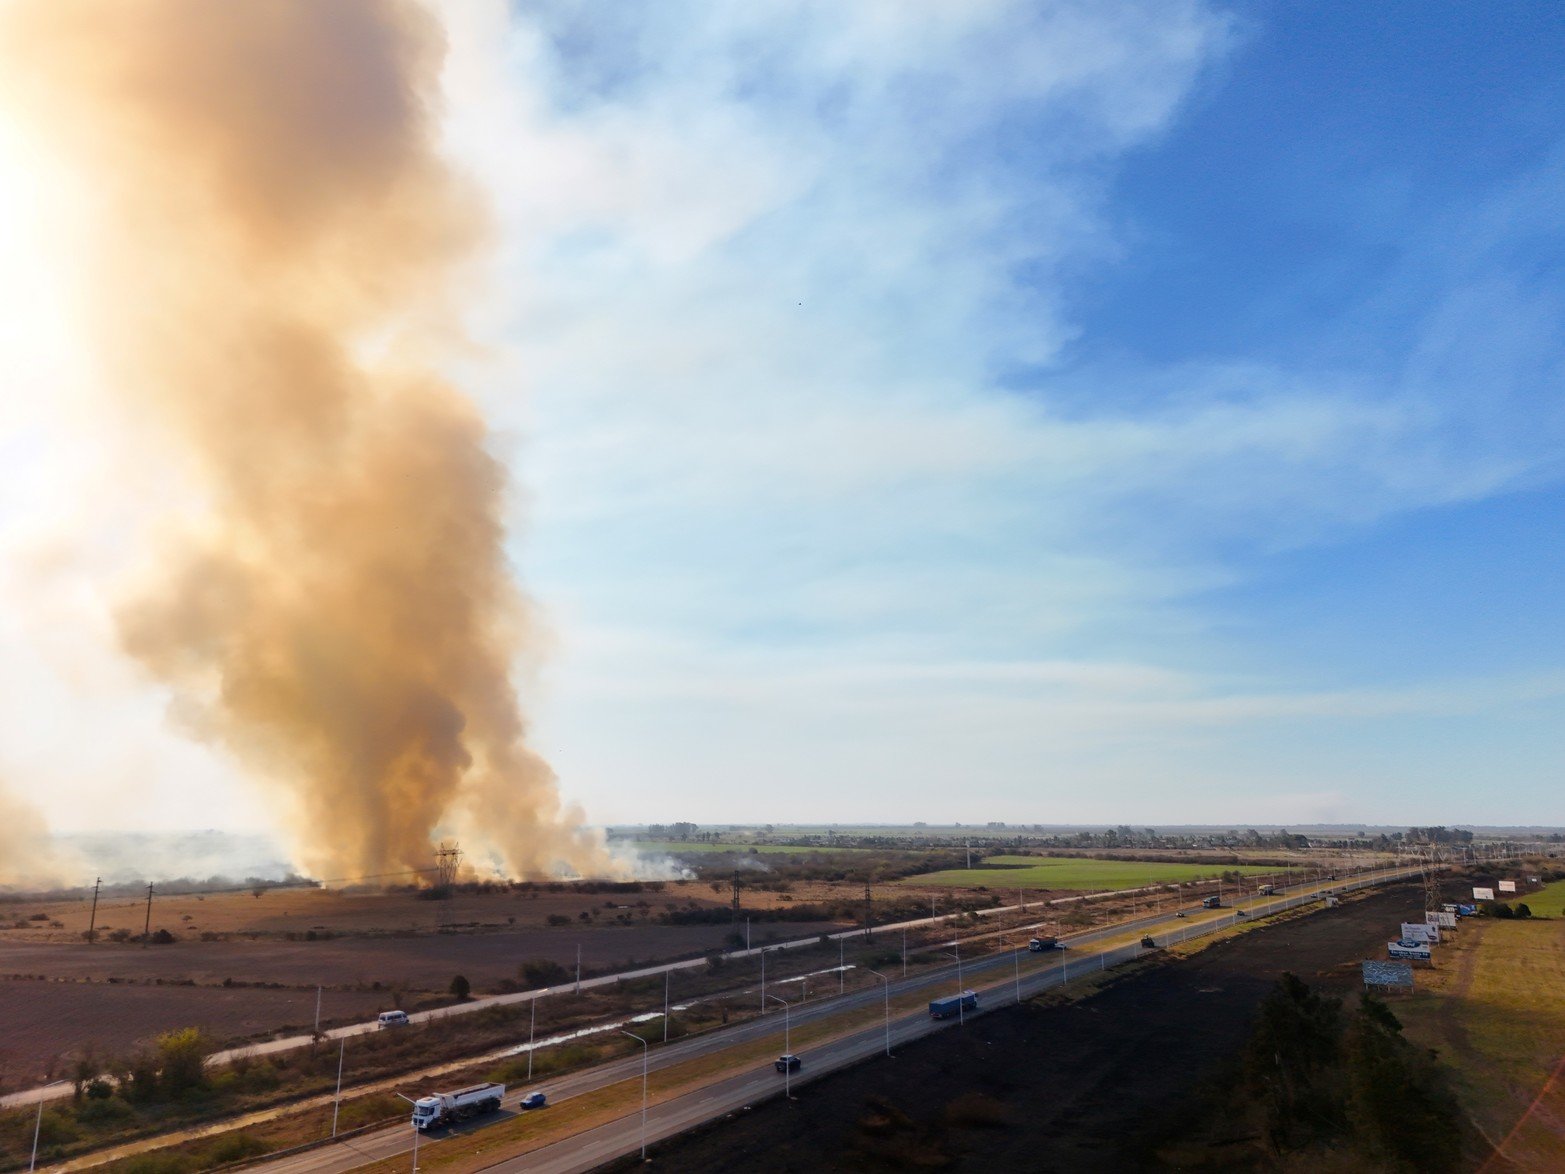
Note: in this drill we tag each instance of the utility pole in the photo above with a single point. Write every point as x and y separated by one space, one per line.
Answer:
92 922
578 968
146 930
869 911
735 915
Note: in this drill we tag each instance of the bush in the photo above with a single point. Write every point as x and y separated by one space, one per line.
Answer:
105 1110
55 1128
557 919
235 1147
99 1090
1522 910
461 988
542 972
181 1057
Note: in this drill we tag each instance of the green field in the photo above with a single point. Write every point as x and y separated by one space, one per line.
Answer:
1064 872
1548 901
677 849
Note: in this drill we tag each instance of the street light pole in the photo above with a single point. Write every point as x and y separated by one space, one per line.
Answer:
532 1033
643 1044
666 974
842 967
414 1103
336 1103
886 988
787 1049
763 980
961 1012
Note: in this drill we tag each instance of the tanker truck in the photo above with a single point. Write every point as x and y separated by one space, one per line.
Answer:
447 1108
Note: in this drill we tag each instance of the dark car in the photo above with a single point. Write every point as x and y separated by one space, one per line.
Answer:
786 1063
1149 943
535 1100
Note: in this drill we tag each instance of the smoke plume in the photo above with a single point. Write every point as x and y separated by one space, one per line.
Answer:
26 856
279 248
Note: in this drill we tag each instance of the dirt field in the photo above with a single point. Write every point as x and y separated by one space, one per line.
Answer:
1085 1086
39 1020
371 951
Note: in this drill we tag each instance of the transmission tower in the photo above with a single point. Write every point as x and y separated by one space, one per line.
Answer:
869 911
1431 863
448 858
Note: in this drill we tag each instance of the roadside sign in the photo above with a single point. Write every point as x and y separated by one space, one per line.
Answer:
1444 918
1413 931
1418 952
1480 894
1507 886
1392 974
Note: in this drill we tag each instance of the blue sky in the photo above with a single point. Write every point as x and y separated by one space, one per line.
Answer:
1071 412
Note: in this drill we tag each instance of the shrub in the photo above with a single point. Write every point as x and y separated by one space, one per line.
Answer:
461 988
235 1147
181 1056
557 919
542 972
107 1109
1522 910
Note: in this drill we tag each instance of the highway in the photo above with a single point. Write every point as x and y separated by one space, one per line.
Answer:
32 1096
999 979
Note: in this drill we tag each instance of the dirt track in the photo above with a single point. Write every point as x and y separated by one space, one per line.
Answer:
1088 1086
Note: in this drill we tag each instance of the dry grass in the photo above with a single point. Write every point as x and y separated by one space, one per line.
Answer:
1494 1008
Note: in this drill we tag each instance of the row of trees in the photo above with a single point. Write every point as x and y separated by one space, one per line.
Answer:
1323 1076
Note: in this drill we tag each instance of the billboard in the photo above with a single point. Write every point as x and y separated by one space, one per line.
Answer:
1444 918
1507 886
1482 894
1417 953
1388 974
1413 931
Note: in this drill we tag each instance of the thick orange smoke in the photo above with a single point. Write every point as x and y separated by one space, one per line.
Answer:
280 246
26 858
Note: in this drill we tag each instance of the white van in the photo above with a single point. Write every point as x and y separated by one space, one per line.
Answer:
393 1019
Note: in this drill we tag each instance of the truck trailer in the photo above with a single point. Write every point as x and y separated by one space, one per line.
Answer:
1212 903
953 1005
447 1108
1039 945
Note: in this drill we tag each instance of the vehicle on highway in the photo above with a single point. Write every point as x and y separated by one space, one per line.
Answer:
953 1005
1039 945
446 1108
788 1063
1240 913
1266 890
392 1019
1149 942
1212 903
534 1100
1179 913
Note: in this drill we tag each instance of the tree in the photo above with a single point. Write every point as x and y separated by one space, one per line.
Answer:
182 1061
1398 1101
461 988
1293 1043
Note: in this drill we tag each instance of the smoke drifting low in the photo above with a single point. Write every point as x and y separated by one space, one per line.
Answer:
26 857
280 247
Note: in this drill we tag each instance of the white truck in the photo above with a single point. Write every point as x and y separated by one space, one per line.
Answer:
447 1108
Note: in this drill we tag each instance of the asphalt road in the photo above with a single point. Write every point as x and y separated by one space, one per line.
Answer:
995 977
32 1096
